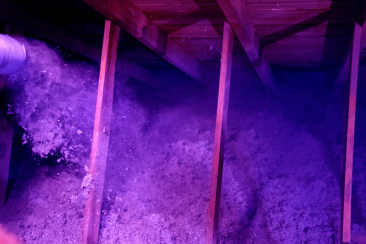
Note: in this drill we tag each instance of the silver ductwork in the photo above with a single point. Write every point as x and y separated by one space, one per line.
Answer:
12 54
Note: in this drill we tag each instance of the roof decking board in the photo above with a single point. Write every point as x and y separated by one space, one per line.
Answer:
324 29
315 20
283 26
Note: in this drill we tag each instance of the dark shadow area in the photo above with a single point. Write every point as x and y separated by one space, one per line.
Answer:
333 16
339 19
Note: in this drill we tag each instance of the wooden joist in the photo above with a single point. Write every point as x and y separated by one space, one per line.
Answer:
135 22
18 16
220 133
102 130
344 74
348 167
239 18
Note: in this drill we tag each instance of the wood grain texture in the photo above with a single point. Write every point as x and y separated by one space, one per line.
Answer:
159 8
239 18
305 5
66 37
102 129
202 28
344 73
348 165
220 133
135 22
20 17
308 30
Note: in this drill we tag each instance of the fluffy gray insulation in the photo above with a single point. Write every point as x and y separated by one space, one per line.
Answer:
283 157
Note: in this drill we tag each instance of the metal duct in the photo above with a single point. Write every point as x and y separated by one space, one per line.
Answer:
12 54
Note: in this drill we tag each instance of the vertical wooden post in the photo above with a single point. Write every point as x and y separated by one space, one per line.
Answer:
101 133
348 167
220 132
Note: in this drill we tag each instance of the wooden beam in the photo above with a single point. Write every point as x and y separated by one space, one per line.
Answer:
132 20
23 19
360 17
344 74
18 16
220 133
238 16
348 165
102 130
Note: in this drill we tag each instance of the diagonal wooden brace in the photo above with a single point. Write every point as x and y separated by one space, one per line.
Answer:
220 132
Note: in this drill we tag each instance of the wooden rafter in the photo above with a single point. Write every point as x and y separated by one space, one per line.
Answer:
354 59
102 130
344 74
348 167
18 16
239 18
360 19
135 22
220 133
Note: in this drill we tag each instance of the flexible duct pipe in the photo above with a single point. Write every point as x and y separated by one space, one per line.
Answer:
12 54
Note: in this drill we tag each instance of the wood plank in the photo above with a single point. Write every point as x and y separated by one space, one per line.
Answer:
289 50
321 14
307 41
203 28
12 13
296 20
206 29
214 1
345 66
297 17
102 130
131 19
290 1
174 1
220 134
215 18
169 18
323 29
176 7
239 18
307 5
207 49
192 16
348 165
20 17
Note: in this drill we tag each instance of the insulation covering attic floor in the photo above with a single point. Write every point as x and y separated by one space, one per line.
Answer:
283 156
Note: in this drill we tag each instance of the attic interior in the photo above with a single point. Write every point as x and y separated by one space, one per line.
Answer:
194 121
